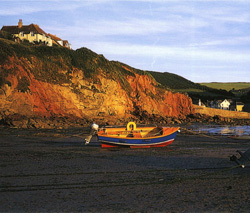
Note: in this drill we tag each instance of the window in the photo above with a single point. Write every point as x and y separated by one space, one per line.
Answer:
32 33
21 34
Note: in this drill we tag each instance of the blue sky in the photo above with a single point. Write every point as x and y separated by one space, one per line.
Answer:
201 40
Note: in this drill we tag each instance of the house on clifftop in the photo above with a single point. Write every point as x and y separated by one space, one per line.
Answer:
34 34
60 42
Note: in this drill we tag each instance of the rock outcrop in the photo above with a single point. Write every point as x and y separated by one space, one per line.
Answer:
37 89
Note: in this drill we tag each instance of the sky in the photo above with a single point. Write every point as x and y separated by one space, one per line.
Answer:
200 40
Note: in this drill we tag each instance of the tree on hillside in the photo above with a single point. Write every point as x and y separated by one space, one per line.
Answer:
245 98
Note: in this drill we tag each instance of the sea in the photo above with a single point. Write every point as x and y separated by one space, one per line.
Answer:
223 130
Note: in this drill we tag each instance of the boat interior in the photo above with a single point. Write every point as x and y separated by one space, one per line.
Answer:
139 133
132 132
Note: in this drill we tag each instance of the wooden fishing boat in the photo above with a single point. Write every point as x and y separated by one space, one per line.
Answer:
133 137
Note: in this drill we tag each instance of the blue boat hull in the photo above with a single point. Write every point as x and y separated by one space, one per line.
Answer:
159 141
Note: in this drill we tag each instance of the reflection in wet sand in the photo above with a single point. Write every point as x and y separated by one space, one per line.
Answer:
222 130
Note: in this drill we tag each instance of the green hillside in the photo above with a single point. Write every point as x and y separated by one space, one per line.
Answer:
194 90
173 81
239 89
228 86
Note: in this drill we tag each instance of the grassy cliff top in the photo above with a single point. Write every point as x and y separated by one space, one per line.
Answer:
228 85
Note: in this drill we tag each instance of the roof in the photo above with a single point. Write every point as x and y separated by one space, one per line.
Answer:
226 100
65 42
26 29
54 37
239 103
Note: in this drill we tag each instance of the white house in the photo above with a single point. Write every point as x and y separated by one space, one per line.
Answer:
59 41
32 33
225 104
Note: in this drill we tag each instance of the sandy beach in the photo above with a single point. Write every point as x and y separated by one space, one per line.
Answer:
53 171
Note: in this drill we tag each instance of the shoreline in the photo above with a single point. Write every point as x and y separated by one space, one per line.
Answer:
223 113
202 115
67 123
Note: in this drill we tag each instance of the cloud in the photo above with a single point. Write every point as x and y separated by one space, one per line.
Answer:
232 41
183 53
135 26
34 6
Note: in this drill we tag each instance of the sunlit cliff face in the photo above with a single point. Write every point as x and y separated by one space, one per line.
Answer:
97 98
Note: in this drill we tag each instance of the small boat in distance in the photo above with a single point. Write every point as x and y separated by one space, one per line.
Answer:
133 137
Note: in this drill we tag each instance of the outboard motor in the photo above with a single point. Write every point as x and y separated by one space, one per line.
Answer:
93 129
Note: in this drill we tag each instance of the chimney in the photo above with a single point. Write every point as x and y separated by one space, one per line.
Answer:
20 23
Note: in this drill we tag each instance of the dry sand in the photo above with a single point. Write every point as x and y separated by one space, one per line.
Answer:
45 171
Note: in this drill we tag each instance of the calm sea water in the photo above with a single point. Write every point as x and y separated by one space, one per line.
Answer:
222 130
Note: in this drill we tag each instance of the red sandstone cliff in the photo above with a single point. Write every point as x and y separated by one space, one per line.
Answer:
26 95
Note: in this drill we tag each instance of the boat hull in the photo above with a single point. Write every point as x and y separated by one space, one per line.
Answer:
159 141
110 145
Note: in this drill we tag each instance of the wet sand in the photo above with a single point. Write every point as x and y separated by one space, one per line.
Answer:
53 171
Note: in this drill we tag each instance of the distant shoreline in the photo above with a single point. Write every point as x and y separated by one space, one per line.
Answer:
220 112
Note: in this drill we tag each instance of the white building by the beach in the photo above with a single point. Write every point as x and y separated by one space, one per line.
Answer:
225 104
